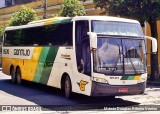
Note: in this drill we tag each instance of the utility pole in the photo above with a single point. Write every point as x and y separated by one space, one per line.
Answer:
45 9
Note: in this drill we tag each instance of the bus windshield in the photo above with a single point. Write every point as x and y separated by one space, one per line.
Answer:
120 56
122 51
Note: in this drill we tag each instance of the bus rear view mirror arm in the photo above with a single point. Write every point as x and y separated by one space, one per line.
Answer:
93 39
148 53
154 43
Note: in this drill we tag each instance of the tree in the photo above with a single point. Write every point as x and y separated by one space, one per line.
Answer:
142 10
1 30
72 8
1 33
23 16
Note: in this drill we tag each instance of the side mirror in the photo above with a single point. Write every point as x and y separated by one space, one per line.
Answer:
154 43
93 39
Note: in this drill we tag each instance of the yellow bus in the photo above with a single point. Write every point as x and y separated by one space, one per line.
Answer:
90 55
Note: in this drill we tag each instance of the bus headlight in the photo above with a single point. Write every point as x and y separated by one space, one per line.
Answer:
142 80
101 80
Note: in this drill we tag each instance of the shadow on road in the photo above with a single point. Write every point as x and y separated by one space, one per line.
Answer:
52 98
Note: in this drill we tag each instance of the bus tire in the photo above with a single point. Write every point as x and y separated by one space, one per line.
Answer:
67 87
18 76
13 76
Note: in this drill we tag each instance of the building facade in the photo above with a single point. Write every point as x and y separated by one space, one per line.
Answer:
6 3
2 3
53 7
19 2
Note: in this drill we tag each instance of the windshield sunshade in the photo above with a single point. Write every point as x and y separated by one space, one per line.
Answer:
117 28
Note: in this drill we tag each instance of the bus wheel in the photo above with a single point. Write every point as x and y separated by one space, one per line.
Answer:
18 76
13 77
67 87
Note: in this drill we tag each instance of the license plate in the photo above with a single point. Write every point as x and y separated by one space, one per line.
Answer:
123 90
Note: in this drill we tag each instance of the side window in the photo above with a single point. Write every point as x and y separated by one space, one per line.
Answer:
7 41
34 36
13 37
25 37
83 47
59 34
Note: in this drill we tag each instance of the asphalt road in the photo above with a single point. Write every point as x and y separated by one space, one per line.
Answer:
52 99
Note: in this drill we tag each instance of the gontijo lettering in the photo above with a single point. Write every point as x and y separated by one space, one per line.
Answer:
22 52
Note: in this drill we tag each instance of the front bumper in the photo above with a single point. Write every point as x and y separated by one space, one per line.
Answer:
101 89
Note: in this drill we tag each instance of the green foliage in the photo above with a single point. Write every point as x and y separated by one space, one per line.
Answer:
23 16
143 10
1 33
72 8
1 30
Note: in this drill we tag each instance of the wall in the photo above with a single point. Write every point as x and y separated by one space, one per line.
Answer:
148 46
18 2
53 8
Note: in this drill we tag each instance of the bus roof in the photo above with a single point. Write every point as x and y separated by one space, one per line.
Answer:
53 20
105 18
43 22
57 20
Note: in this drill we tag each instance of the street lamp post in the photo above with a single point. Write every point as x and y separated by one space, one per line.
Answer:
45 9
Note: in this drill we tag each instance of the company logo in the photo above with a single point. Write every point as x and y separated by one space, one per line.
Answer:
22 52
6 108
21 108
65 56
82 85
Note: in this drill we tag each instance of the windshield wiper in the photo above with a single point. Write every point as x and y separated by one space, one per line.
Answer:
131 61
118 57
